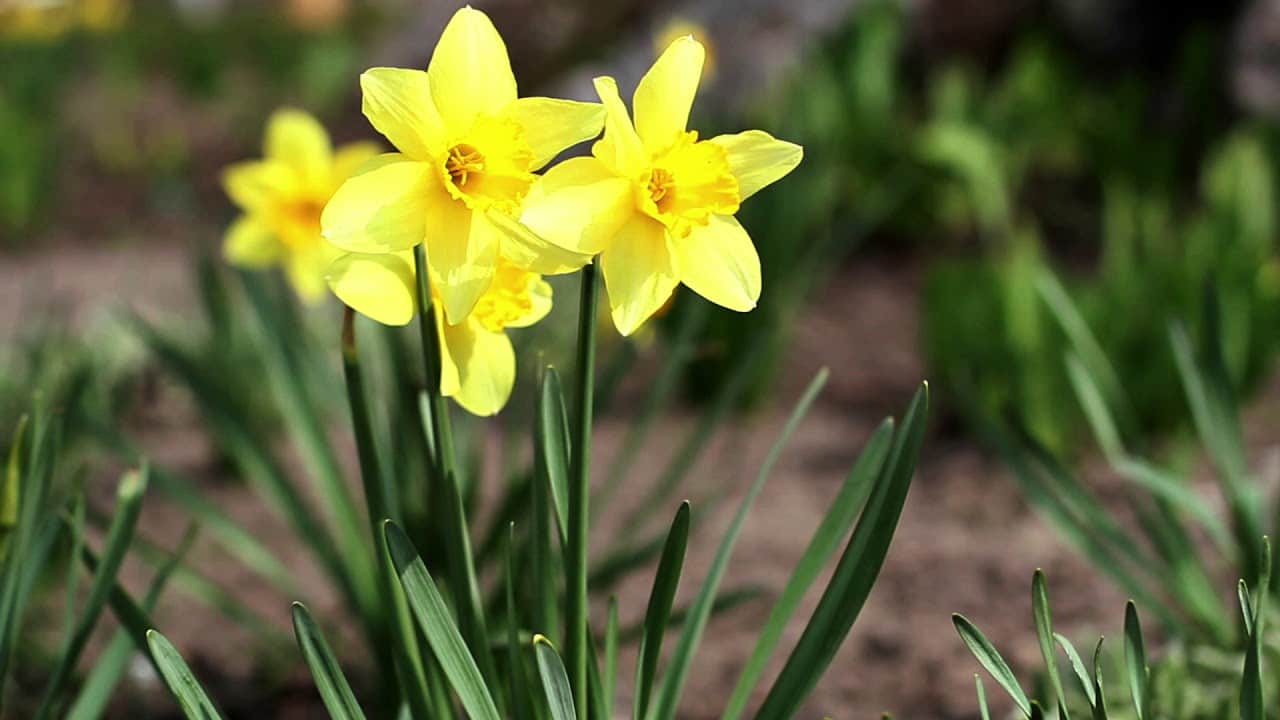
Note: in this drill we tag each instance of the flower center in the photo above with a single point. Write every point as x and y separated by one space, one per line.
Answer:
463 162
298 222
688 183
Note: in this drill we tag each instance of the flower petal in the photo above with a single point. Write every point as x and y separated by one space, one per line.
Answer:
299 142
485 363
249 242
462 251
383 208
350 159
620 148
540 299
470 71
530 251
551 125
758 159
665 94
380 287
579 205
398 104
718 261
256 183
639 272
306 267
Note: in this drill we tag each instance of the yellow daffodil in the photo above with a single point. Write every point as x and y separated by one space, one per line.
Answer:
656 202
678 27
478 363
282 196
468 148
48 19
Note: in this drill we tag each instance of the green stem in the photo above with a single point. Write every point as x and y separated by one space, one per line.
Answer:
405 655
576 639
446 509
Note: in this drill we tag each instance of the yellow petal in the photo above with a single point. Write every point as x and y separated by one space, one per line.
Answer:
398 104
718 261
306 267
462 250
620 148
258 183
665 94
540 303
383 208
530 251
380 287
551 125
579 205
299 142
758 159
639 272
350 158
250 243
485 364
470 71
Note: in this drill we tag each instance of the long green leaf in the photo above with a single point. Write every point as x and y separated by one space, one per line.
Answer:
691 635
991 659
551 433
334 689
665 582
1044 633
826 539
1077 665
438 626
1135 660
128 505
555 683
191 696
855 572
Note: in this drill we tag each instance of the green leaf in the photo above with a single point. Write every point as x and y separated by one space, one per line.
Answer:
191 697
1077 665
128 506
1044 633
661 597
438 626
855 572
991 659
844 511
551 433
691 635
610 679
555 683
982 697
1135 659
334 689
1099 709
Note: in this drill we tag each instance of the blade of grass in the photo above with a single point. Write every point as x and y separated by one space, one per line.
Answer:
1077 665
844 511
661 597
691 635
855 572
610 680
437 624
991 659
128 506
1135 660
555 683
1044 633
182 684
334 689
551 438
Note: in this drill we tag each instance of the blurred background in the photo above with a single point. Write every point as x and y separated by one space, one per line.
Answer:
982 178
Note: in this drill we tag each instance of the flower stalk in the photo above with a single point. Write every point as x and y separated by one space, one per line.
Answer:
576 639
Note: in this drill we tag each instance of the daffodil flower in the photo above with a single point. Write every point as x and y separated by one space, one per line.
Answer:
282 196
468 148
478 363
656 202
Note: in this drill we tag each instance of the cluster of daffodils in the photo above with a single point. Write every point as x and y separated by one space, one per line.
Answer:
653 201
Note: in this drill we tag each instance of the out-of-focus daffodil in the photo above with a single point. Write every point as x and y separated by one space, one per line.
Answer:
468 149
656 202
282 196
478 363
679 27
48 19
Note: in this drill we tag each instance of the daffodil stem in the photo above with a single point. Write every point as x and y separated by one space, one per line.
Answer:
576 639
404 652
441 428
